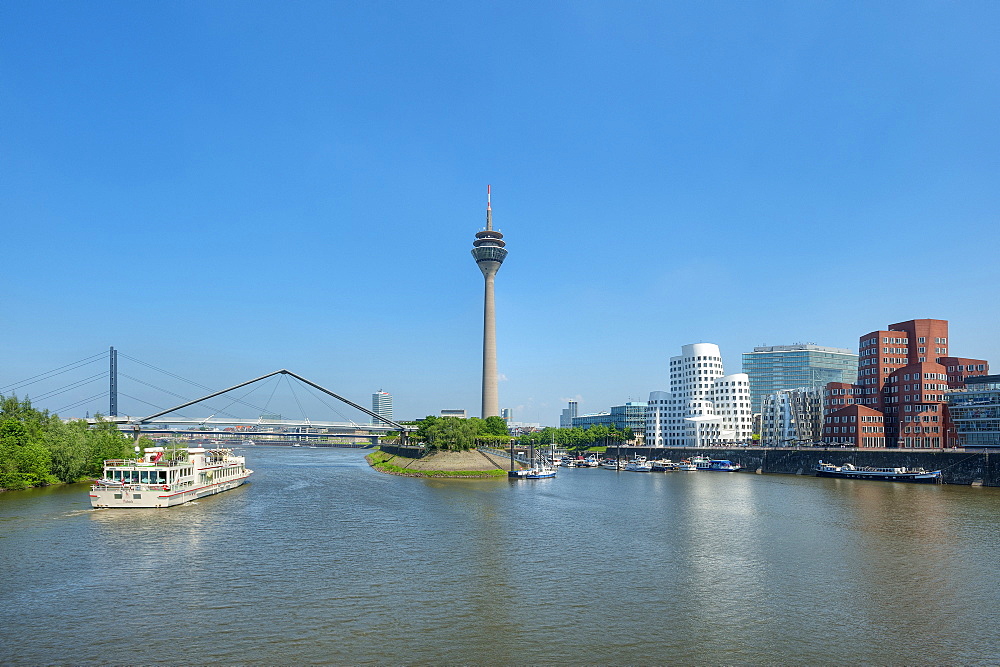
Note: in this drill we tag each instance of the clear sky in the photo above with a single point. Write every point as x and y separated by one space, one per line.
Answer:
222 189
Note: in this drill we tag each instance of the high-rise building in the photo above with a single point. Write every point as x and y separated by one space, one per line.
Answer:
566 418
381 405
774 368
904 373
506 414
703 407
489 252
792 417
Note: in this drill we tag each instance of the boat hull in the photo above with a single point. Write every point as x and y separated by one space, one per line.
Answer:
154 496
911 477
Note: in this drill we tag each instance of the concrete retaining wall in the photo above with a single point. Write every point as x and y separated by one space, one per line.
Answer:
408 452
958 467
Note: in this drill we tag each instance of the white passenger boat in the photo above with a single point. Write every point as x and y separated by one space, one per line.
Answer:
153 481
848 471
540 471
723 465
701 462
638 464
687 466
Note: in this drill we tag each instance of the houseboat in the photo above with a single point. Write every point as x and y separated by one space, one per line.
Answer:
848 471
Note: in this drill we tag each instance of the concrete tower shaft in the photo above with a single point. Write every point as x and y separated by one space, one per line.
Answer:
489 253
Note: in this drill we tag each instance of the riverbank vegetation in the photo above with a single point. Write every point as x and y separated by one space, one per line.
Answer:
579 438
37 448
452 434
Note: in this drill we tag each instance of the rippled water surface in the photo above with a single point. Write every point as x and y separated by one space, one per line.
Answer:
322 560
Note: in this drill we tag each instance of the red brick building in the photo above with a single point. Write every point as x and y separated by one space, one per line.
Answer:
903 373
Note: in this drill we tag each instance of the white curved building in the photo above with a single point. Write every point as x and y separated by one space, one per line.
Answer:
703 407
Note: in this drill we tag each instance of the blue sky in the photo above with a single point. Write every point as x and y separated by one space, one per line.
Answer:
222 189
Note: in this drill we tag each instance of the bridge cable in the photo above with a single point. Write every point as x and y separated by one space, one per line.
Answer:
184 379
240 400
74 385
268 404
297 402
167 391
52 373
79 403
335 410
152 404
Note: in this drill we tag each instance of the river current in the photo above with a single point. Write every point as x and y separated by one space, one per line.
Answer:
320 559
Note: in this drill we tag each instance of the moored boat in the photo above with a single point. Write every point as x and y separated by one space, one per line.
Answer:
687 466
899 474
662 465
722 465
540 472
152 481
638 464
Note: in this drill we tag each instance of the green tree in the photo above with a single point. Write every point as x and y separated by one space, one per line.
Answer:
452 433
67 445
105 441
494 426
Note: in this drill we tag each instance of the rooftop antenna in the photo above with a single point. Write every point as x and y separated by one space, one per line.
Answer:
489 211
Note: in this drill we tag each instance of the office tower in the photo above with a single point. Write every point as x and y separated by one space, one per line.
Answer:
381 405
899 399
566 418
703 407
777 367
489 252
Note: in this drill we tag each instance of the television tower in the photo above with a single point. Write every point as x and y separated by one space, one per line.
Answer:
488 249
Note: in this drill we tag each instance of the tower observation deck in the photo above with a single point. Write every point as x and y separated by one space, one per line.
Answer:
489 253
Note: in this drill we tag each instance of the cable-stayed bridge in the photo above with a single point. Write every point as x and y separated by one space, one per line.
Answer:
215 419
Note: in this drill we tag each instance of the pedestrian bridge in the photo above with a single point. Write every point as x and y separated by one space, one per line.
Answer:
161 422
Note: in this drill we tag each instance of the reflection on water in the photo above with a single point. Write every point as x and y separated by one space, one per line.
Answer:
320 559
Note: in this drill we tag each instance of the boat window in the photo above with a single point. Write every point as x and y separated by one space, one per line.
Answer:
118 496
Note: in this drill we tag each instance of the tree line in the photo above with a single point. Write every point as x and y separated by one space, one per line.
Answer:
577 438
456 434
37 448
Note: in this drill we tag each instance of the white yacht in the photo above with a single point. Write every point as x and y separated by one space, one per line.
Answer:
638 464
153 481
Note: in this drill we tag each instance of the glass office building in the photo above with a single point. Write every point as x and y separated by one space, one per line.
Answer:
778 367
381 405
975 411
631 415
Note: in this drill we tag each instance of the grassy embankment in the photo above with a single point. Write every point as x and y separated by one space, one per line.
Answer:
399 465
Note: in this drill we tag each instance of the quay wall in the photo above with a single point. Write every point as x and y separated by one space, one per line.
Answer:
957 467
408 452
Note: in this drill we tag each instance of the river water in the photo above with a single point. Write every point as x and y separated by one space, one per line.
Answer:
322 560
